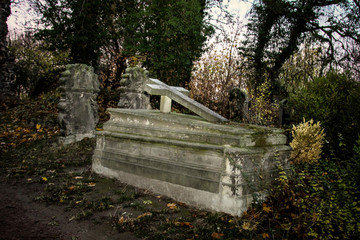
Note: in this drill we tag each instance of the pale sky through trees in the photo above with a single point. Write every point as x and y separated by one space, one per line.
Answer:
23 16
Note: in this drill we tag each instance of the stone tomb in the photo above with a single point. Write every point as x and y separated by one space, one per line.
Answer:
203 161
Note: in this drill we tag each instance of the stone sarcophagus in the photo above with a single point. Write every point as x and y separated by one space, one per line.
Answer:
203 161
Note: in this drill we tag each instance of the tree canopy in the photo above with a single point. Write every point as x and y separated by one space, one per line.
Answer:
278 27
79 25
170 36
167 36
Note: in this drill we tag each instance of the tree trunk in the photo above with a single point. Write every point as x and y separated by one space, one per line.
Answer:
7 93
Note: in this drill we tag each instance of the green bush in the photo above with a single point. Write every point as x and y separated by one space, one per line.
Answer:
36 69
334 100
354 165
314 201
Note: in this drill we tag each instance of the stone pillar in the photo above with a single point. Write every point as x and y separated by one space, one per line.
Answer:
6 61
78 109
132 93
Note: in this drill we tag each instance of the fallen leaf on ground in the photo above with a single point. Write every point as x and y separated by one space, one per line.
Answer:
171 206
217 235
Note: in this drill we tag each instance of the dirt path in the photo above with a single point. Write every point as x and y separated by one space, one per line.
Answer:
23 218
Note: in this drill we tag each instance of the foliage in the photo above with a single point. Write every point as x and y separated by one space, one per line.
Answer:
307 142
334 100
263 110
277 28
36 69
169 36
107 98
311 201
354 165
301 68
78 26
214 76
316 202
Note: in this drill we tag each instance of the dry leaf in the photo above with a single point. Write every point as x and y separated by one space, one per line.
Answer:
172 206
266 208
187 224
265 235
217 235
147 214
121 220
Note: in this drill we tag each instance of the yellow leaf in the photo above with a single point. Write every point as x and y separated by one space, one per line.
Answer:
246 226
44 179
121 220
99 129
265 235
266 208
38 126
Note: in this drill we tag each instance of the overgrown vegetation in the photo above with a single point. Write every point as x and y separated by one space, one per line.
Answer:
334 100
317 198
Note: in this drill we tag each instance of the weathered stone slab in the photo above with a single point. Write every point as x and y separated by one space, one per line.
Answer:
210 165
78 107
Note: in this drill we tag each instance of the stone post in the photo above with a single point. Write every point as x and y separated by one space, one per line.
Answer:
78 109
132 93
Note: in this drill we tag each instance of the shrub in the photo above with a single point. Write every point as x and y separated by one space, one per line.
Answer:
263 109
36 69
354 165
311 201
334 100
307 143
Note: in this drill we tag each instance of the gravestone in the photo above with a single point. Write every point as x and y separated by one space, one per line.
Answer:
78 109
132 93
237 99
203 160
284 113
